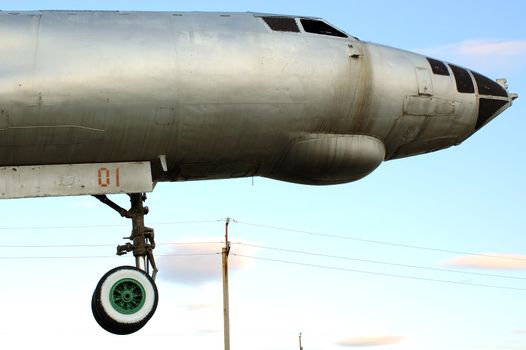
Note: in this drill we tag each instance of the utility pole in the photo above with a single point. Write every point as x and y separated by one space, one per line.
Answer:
226 308
301 347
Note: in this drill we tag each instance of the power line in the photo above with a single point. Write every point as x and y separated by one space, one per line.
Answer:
379 273
402 245
380 262
97 245
96 256
285 229
22 228
58 246
248 245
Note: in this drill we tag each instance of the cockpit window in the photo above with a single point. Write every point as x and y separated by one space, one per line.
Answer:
488 87
463 79
282 24
319 27
438 67
487 109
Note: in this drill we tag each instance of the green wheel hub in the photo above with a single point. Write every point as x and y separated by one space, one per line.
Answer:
127 296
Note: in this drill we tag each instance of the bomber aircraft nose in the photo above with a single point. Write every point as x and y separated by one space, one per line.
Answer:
493 98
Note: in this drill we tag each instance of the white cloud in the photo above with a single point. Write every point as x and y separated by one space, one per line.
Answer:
490 261
499 56
199 306
370 341
199 263
520 331
208 331
492 48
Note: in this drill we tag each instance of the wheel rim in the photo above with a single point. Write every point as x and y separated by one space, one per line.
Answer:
127 296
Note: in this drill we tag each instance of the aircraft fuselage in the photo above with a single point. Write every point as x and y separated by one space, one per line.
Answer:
221 95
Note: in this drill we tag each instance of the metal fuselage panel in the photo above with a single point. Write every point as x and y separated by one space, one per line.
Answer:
220 95
414 110
203 89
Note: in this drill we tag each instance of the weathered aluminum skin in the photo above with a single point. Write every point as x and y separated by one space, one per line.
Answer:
219 94
74 179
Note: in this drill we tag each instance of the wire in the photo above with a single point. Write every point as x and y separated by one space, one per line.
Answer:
379 273
327 235
98 245
58 246
379 262
95 256
312 233
105 226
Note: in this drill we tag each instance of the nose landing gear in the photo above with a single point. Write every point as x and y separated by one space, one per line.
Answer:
126 297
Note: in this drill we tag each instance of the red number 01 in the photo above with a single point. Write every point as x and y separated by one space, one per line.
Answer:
104 177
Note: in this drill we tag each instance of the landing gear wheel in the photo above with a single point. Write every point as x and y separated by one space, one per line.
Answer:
124 300
126 297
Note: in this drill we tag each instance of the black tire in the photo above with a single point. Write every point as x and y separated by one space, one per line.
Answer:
124 300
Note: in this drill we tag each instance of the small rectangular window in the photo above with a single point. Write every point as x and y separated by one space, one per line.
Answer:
487 86
282 24
319 27
463 79
438 67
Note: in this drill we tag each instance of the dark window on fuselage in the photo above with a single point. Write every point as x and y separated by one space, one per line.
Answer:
438 67
319 27
487 109
487 86
463 79
282 24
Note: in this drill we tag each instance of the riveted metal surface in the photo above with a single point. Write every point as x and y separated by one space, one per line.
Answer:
74 179
219 95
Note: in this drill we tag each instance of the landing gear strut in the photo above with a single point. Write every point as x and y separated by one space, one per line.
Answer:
126 297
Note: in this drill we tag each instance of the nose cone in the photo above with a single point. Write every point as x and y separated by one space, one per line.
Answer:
493 98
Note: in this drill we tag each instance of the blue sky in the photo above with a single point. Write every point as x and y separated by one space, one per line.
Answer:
467 199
